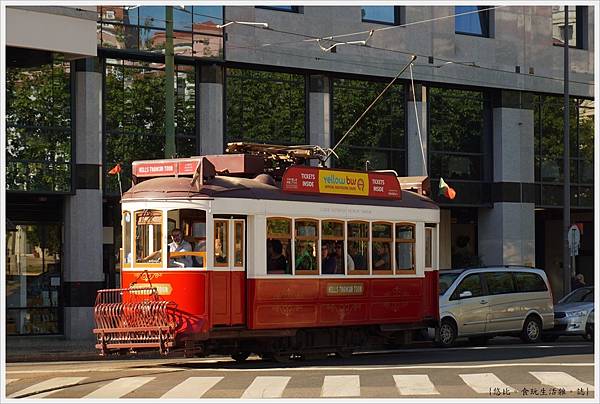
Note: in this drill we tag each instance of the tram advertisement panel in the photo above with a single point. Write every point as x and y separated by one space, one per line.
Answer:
317 180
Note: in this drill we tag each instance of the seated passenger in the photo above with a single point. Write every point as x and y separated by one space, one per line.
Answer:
339 263
305 260
359 261
276 263
381 256
327 260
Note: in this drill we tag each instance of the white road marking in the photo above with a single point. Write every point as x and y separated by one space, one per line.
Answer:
483 382
413 385
561 380
83 370
341 386
119 387
54 384
192 387
267 387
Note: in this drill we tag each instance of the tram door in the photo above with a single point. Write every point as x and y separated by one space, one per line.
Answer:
228 280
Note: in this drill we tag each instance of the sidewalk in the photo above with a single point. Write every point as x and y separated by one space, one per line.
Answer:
44 349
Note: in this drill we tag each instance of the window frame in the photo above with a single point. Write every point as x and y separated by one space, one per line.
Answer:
367 239
292 9
135 263
316 239
413 241
280 236
485 27
214 252
399 16
236 222
580 31
374 240
334 239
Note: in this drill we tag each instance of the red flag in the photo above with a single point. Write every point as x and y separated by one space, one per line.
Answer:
446 190
115 170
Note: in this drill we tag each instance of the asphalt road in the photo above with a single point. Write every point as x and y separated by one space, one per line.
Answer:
504 368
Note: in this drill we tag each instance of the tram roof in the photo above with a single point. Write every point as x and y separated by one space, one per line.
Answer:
246 188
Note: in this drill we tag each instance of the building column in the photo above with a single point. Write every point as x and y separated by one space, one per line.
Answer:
210 109
83 273
416 145
507 232
319 110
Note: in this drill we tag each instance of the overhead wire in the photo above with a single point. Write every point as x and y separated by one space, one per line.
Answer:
313 38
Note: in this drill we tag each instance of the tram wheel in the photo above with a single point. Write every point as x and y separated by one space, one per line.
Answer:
240 356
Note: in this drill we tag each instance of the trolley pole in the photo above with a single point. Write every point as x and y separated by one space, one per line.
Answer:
169 85
566 166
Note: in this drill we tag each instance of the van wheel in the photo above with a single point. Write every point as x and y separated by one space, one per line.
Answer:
448 334
532 330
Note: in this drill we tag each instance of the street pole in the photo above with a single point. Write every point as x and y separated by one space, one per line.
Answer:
169 85
566 166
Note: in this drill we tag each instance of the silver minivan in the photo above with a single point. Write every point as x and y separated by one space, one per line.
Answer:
480 303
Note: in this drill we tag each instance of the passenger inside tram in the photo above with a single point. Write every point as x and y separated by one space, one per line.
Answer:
305 257
277 263
179 245
339 262
359 261
328 265
381 256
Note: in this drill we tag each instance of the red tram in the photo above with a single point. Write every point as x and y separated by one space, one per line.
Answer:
220 258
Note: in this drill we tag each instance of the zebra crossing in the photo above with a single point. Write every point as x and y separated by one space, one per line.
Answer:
333 386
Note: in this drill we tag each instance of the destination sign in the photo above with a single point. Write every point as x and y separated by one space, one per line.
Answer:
160 168
326 181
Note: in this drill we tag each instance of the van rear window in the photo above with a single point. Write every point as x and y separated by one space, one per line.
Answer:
527 282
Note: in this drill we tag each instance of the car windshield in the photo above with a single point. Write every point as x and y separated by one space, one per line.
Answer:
583 295
446 280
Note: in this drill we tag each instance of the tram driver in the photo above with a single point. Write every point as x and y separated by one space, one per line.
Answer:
179 245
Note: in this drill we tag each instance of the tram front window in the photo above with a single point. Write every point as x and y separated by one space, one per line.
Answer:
148 236
187 238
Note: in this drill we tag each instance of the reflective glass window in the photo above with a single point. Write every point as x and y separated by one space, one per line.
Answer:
471 283
33 279
575 29
499 282
265 107
144 28
381 14
378 141
38 124
134 115
405 247
382 247
472 20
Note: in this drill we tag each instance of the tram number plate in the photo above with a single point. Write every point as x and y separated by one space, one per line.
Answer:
345 289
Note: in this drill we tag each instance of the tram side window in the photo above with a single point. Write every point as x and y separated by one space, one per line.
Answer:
428 246
358 247
405 247
238 243
279 242
381 234
221 243
333 252
148 236
126 258
306 241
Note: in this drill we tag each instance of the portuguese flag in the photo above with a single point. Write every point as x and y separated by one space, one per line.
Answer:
446 190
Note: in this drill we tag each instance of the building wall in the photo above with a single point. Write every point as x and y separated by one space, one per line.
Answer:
521 36
43 28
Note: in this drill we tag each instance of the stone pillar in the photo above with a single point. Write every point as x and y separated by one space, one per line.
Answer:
319 110
416 146
507 232
210 107
83 273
